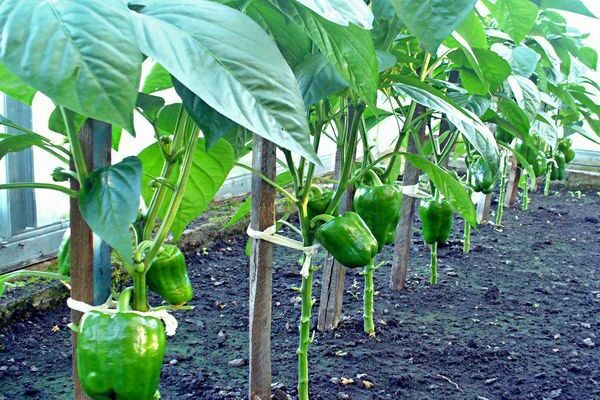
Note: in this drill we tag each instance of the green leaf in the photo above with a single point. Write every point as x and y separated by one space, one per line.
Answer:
116 132
550 53
472 31
149 106
589 57
526 94
318 79
494 68
466 122
13 86
476 104
385 60
109 203
515 115
209 171
15 143
226 59
515 17
57 124
432 21
349 48
294 44
453 190
342 12
522 59
158 79
83 55
574 6
214 125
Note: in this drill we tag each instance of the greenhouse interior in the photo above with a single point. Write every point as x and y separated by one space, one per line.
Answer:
300 199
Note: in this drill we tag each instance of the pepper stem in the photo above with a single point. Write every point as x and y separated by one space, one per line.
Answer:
368 303
434 271
375 177
302 352
502 197
140 291
547 184
467 238
526 196
321 217
124 300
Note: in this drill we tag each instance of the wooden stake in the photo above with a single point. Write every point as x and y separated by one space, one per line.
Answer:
261 265
90 259
512 187
483 209
404 230
334 273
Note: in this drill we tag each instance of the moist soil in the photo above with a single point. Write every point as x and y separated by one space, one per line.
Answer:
518 318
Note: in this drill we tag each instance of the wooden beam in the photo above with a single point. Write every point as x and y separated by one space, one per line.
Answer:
90 258
261 266
483 209
334 273
404 230
512 187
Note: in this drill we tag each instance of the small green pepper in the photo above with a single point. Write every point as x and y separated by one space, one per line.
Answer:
64 254
481 176
558 170
119 356
318 200
436 217
168 276
379 206
347 238
564 146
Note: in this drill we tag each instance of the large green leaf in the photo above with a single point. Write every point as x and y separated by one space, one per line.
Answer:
16 143
342 12
515 115
209 170
158 79
515 17
293 42
574 6
56 122
226 59
466 122
526 94
13 86
318 79
109 203
452 189
522 59
432 21
477 104
349 48
472 31
83 55
214 125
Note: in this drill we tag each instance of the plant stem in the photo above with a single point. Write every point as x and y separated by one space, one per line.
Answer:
434 271
467 238
76 150
158 198
502 197
547 183
526 195
124 300
33 185
140 291
368 303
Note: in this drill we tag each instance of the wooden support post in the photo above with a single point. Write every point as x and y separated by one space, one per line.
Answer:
512 187
90 258
261 265
334 273
483 209
404 230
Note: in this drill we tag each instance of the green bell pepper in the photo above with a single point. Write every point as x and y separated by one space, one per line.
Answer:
64 254
564 146
379 206
347 238
558 169
481 177
168 276
436 217
318 200
119 356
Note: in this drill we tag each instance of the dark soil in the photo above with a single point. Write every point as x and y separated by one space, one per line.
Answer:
516 319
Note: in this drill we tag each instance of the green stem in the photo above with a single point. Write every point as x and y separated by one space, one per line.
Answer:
32 185
526 195
321 217
157 200
76 149
368 303
30 274
547 183
502 197
434 270
125 300
401 135
140 291
467 238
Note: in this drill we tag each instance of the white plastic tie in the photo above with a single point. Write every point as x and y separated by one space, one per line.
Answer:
109 308
414 191
270 235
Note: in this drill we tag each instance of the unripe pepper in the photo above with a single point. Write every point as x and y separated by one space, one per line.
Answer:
119 356
379 206
558 170
64 254
481 177
168 276
318 201
347 238
564 146
436 217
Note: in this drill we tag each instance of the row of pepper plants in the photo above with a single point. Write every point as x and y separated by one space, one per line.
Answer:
297 73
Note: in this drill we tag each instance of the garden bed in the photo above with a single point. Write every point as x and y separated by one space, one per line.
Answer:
516 319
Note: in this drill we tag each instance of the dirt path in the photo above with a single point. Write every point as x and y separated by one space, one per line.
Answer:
516 319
